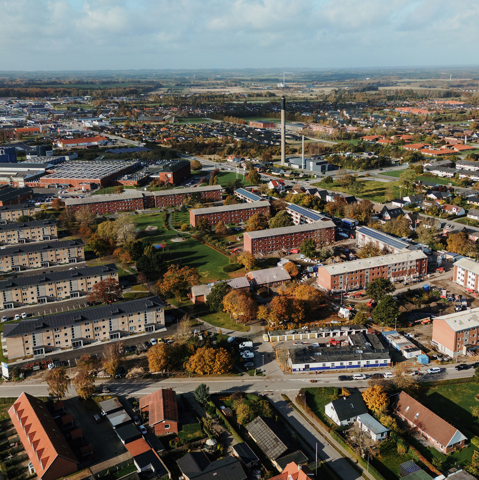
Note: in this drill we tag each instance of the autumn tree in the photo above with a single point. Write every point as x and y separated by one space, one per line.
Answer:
244 413
247 260
207 361
240 305
223 362
106 229
112 357
263 313
280 309
230 200
292 269
359 319
460 243
214 300
221 229
371 250
118 189
203 225
183 331
158 357
178 280
379 287
281 219
376 398
126 233
84 384
256 222
253 177
105 291
407 179
101 246
402 379
84 216
57 204
57 382
308 248
195 165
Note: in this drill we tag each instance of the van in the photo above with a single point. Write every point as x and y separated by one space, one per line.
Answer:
388 375
246 345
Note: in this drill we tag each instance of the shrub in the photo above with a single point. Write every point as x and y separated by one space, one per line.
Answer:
475 441
231 267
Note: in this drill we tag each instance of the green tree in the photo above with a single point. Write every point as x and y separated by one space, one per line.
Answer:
407 180
386 312
215 298
281 219
253 177
328 180
25 218
379 287
202 225
308 248
202 393
257 221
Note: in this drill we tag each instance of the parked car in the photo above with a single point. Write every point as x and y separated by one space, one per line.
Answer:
415 373
463 366
143 430
4 318
24 315
359 376
153 341
343 378
17 316
434 370
388 375
136 420
249 365
247 354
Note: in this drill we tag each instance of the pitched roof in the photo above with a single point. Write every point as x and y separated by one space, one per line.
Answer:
162 406
269 275
38 432
293 471
245 453
32 224
40 247
9 193
196 465
137 447
229 208
430 423
294 229
349 407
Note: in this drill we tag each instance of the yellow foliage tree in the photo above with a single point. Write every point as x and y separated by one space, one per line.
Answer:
158 357
376 398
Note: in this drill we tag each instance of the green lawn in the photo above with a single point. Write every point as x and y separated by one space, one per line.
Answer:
468 221
395 173
179 218
223 320
373 190
224 178
191 432
388 462
318 398
440 181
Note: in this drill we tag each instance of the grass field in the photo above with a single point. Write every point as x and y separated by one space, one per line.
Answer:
373 190
194 120
179 218
388 462
225 177
318 398
105 190
395 173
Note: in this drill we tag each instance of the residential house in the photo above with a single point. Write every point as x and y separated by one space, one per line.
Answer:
443 171
271 277
399 202
438 196
345 410
391 213
247 457
376 430
414 199
442 435
473 200
197 466
467 165
293 471
276 185
146 459
454 210
162 409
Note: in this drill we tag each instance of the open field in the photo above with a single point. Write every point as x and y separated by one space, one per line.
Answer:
440 181
186 120
394 173
225 177
373 190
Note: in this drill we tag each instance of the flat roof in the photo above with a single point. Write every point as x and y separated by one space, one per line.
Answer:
10 193
306 212
363 263
37 247
114 197
248 194
383 237
186 190
94 169
32 224
307 227
229 208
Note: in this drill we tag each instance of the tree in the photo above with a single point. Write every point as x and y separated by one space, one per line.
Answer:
308 248
25 218
281 219
57 204
356 188
107 230
460 243
263 313
370 250
256 222
57 382
106 291
389 193
379 287
195 165
202 392
202 362
240 305
184 329
158 357
84 384
85 216
359 319
178 280
126 233
280 309
244 413
292 269
247 260
214 300
221 228
223 362
402 379
99 245
230 200
407 179
118 189
328 180
376 398
253 177
386 312
475 412
203 225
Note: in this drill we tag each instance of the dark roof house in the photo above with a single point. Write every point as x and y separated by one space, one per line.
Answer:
197 466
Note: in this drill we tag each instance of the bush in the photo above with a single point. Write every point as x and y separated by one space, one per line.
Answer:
232 267
475 441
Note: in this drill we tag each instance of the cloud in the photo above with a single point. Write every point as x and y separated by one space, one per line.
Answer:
134 34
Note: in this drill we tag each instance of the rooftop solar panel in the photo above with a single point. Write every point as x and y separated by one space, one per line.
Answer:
249 195
383 237
305 212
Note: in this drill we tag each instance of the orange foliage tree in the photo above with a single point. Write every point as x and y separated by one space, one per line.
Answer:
240 306
376 398
178 280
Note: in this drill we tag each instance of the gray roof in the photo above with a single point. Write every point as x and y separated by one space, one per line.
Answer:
38 247
9 193
297 457
306 227
119 418
54 276
245 453
18 206
229 208
306 212
248 194
197 290
114 197
197 466
151 459
384 238
23 225
111 405
86 314
128 433
186 190
270 275
473 211
239 282
174 167
373 425
349 407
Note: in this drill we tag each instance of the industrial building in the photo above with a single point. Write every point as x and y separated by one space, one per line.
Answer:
229 213
82 142
402 344
38 255
285 238
247 196
174 173
75 329
358 273
362 351
466 274
367 236
11 213
53 286
35 231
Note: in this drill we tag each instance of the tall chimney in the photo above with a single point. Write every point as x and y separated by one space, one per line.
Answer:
302 156
283 126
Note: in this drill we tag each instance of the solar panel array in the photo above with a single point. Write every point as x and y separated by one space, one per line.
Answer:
382 237
250 195
93 169
305 212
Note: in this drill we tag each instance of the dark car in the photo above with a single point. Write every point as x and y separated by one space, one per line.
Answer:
463 366
343 378
475 365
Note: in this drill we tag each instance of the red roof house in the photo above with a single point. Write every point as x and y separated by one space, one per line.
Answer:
162 411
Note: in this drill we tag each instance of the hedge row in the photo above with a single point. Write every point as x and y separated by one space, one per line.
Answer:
419 456
228 425
301 401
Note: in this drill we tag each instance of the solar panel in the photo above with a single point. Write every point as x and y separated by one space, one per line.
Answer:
305 212
382 237
249 195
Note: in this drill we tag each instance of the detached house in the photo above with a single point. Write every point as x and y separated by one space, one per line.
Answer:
473 214
443 436
389 213
162 410
454 209
346 410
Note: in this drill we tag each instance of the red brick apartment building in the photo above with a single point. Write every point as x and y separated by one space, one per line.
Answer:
229 213
162 410
455 333
358 273
175 173
265 241
262 124
166 198
46 447
104 204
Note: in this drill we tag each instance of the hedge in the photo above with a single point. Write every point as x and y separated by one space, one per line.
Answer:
232 267
301 400
228 425
419 456
475 441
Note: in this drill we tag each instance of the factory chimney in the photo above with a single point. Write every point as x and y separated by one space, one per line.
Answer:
283 126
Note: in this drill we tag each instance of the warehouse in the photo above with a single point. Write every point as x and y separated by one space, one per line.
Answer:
229 213
38 255
53 286
285 238
35 231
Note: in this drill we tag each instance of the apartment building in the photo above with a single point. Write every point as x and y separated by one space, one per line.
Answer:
177 196
366 236
303 215
25 257
455 333
229 213
35 231
12 195
106 204
51 287
247 196
75 329
174 173
466 274
358 273
285 238
11 213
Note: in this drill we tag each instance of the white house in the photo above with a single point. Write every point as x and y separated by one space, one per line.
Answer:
376 430
345 410
473 214
454 209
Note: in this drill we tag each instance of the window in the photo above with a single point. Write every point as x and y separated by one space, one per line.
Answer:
167 426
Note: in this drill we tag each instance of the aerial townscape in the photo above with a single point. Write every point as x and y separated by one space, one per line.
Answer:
239 240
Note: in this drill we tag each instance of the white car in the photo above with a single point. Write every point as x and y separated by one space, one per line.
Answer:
153 341
359 376
17 316
24 315
247 354
434 370
4 318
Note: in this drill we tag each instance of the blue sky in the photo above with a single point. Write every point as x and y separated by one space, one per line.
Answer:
181 34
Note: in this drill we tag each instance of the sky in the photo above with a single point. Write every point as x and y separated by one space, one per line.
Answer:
196 34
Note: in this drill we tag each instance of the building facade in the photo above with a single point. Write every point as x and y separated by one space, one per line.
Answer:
50 333
177 196
175 173
11 213
367 236
276 239
466 274
358 273
51 287
114 203
25 257
229 213
36 231
247 196
303 215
